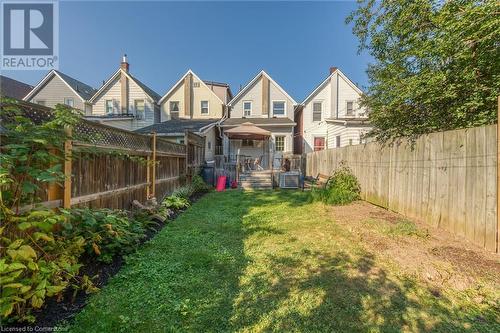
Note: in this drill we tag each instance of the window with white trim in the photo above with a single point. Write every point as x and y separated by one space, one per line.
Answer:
337 139
247 108
174 106
279 108
109 106
317 108
204 107
279 142
350 108
69 101
139 109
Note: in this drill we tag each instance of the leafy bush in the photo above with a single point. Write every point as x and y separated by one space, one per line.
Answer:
342 188
106 232
184 192
36 262
174 202
199 184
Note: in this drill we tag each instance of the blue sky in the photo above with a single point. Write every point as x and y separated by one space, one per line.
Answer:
295 42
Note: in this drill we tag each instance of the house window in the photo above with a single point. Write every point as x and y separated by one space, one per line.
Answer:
319 143
204 107
209 145
246 143
317 106
40 102
109 106
278 108
280 143
350 108
196 84
350 142
337 139
69 101
139 109
247 108
174 109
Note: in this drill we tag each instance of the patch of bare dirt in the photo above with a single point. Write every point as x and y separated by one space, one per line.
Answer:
439 259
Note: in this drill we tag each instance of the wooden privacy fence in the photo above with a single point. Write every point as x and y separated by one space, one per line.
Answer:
195 150
447 179
109 167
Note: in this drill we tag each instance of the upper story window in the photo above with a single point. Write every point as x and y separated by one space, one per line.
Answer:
204 107
139 109
279 108
69 101
317 108
350 108
109 106
40 102
247 108
196 84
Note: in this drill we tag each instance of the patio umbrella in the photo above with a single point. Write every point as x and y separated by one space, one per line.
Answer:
247 130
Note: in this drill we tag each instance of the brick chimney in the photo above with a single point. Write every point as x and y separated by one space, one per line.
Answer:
124 86
332 69
124 64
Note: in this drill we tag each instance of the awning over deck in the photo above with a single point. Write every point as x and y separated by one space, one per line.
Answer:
248 131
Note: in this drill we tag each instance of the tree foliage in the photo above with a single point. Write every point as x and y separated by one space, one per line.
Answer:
437 64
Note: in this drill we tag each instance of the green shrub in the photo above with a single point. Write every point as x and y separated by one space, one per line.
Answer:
37 262
199 184
106 232
342 188
184 192
175 202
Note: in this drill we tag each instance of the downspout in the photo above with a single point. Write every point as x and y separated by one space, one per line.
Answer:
337 96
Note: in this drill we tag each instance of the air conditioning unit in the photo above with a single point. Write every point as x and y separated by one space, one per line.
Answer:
290 179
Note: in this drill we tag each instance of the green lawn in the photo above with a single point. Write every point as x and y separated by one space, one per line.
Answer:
270 261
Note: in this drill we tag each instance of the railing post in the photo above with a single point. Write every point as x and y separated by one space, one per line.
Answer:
148 177
153 171
68 146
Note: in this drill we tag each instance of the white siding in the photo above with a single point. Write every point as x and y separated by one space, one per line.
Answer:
326 94
135 92
54 92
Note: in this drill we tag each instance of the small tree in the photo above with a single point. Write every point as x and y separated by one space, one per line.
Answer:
31 152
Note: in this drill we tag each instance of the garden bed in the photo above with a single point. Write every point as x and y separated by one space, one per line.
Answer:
64 308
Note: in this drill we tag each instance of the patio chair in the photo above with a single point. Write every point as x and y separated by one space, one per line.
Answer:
257 163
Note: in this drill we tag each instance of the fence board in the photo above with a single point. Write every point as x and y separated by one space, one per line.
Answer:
447 179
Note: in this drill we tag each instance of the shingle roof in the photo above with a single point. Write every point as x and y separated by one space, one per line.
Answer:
144 87
259 121
84 90
175 126
13 88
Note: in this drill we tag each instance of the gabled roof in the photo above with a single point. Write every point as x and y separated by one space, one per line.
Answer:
181 80
13 88
322 84
84 91
150 92
257 77
178 126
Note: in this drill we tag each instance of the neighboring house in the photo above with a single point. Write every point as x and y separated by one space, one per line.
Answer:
193 98
175 129
331 116
267 106
59 88
13 88
194 105
125 102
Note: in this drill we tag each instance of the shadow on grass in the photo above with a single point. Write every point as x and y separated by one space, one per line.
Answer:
197 275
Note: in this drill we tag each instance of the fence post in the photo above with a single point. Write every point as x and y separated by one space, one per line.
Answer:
498 176
153 173
148 176
54 191
68 145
